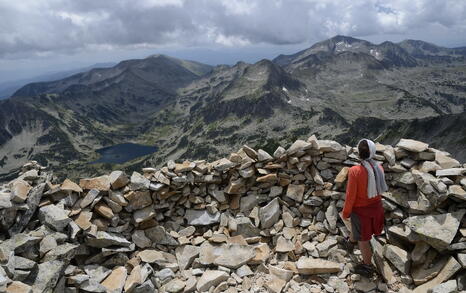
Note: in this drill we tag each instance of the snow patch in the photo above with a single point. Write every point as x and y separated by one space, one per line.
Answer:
284 89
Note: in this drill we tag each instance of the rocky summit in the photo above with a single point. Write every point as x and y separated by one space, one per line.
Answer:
250 222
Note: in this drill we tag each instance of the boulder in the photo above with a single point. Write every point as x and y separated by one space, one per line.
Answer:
223 164
263 156
89 198
298 146
118 179
398 257
138 182
186 255
412 145
451 267
210 279
227 255
310 266
269 214
456 191
201 217
445 161
329 146
159 236
54 217
436 230
47 276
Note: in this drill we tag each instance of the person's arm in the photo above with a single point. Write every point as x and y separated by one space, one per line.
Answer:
351 189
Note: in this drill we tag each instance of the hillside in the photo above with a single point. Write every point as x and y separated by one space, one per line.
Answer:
188 110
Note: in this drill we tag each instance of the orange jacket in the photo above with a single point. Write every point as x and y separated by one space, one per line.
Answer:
356 190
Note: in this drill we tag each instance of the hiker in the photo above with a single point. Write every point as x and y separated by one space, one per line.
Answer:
363 204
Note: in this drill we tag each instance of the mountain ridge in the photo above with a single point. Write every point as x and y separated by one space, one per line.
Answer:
180 105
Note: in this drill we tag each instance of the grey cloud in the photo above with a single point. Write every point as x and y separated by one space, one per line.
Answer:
69 26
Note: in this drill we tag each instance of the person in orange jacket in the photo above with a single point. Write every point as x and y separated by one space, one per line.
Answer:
363 203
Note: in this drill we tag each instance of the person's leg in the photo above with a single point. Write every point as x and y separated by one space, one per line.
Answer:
366 252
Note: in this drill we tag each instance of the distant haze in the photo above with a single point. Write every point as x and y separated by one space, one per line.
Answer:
38 37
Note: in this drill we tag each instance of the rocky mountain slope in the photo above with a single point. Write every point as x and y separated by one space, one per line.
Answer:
248 222
336 88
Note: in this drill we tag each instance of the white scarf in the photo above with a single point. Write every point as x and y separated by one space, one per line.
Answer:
375 180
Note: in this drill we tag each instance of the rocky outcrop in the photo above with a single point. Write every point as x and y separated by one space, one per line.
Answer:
247 223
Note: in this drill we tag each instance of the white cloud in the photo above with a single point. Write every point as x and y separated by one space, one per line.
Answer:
31 27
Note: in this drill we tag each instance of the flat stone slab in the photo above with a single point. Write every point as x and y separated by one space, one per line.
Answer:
436 230
201 218
311 266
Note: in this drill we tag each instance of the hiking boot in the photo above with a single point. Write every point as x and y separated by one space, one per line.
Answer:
348 245
364 270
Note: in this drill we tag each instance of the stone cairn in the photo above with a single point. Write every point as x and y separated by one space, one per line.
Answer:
252 222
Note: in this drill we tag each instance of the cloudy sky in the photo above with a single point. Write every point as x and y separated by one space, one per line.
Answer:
38 36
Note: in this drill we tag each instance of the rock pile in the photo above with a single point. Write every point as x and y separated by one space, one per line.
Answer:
252 222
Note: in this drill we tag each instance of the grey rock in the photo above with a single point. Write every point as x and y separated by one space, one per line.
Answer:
23 263
97 273
175 286
223 164
165 274
201 217
139 182
92 286
186 255
450 172
47 276
263 156
89 198
436 230
279 152
314 201
210 279
275 191
245 228
65 251
158 235
332 215
269 214
298 146
105 239
324 247
244 271
462 259
5 200
219 195
140 239
248 202
329 146
35 195
146 287
227 255
54 217
398 257
412 145
447 287
118 179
